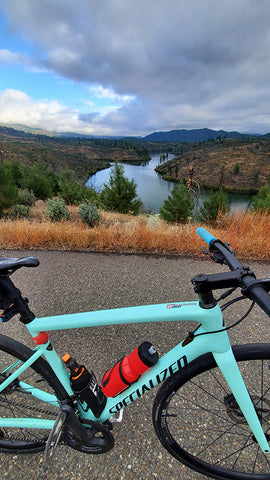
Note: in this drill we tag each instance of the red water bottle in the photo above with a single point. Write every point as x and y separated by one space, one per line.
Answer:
127 370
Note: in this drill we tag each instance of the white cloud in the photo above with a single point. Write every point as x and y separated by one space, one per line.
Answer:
100 92
7 57
18 107
153 65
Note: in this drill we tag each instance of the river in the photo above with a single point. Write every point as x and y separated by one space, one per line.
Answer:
152 189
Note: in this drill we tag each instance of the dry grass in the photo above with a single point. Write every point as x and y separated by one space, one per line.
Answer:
247 233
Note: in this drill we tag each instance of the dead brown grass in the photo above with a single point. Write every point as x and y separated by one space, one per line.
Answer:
247 233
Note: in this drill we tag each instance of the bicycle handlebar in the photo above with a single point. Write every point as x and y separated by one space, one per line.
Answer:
205 235
256 290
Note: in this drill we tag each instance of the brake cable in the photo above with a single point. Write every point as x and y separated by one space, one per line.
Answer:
226 305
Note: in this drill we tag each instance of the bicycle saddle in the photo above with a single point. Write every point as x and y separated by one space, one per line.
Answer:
9 265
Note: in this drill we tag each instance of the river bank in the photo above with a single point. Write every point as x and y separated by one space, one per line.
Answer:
152 189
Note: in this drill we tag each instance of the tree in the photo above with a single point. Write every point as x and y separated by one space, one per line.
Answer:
37 181
69 189
8 189
119 194
261 202
178 206
217 202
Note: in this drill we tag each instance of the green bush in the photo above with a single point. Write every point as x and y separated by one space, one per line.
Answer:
39 184
20 211
261 202
179 205
91 196
57 210
89 214
25 197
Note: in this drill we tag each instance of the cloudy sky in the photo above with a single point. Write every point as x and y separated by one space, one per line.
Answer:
131 67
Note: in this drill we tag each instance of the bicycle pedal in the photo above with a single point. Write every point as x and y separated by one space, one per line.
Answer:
54 437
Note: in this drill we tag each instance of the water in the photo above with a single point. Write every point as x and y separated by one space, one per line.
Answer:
152 189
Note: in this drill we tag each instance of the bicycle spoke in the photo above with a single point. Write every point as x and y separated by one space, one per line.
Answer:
209 430
216 439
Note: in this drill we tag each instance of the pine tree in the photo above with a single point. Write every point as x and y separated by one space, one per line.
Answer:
178 206
119 194
261 202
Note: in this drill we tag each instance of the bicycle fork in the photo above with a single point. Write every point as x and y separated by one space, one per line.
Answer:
229 368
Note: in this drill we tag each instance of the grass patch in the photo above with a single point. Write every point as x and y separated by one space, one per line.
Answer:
247 233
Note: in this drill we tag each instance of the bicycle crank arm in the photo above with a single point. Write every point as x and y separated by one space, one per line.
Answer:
54 436
95 438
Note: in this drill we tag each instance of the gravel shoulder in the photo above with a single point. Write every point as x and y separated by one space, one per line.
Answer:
67 282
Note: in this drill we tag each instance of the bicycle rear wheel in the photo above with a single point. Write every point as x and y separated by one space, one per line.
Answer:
16 402
199 422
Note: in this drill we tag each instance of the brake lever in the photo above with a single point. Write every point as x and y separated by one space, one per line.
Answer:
216 257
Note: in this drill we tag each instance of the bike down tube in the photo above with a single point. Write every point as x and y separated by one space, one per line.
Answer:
172 362
175 360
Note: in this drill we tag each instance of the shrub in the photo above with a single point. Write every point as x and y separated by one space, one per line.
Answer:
20 211
91 196
57 210
89 214
261 202
178 206
25 197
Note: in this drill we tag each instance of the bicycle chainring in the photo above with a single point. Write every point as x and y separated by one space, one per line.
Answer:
102 440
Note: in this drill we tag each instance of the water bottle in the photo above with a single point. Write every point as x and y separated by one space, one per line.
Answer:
127 370
85 386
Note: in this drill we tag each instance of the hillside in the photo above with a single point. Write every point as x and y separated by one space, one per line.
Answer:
84 156
235 165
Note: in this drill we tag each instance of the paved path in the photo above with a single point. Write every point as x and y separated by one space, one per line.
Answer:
70 282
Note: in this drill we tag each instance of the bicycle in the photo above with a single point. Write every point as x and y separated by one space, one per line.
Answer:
212 410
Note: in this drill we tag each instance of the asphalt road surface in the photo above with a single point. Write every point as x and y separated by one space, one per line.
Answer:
67 282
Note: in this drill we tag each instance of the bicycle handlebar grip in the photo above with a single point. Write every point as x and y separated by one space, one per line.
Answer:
205 235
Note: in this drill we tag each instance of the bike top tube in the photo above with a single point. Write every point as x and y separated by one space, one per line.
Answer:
179 311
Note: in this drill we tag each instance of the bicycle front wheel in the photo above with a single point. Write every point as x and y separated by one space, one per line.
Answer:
199 422
17 401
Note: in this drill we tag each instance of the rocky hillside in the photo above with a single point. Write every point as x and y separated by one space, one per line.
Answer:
84 156
235 165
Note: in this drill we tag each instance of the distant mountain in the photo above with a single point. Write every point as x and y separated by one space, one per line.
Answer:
23 128
183 135
196 135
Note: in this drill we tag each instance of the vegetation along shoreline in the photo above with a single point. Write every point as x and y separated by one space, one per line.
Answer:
44 202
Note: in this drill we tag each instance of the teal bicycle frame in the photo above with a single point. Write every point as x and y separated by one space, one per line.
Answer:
174 361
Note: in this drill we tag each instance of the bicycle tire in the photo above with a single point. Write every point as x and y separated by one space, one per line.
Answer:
14 400
197 420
